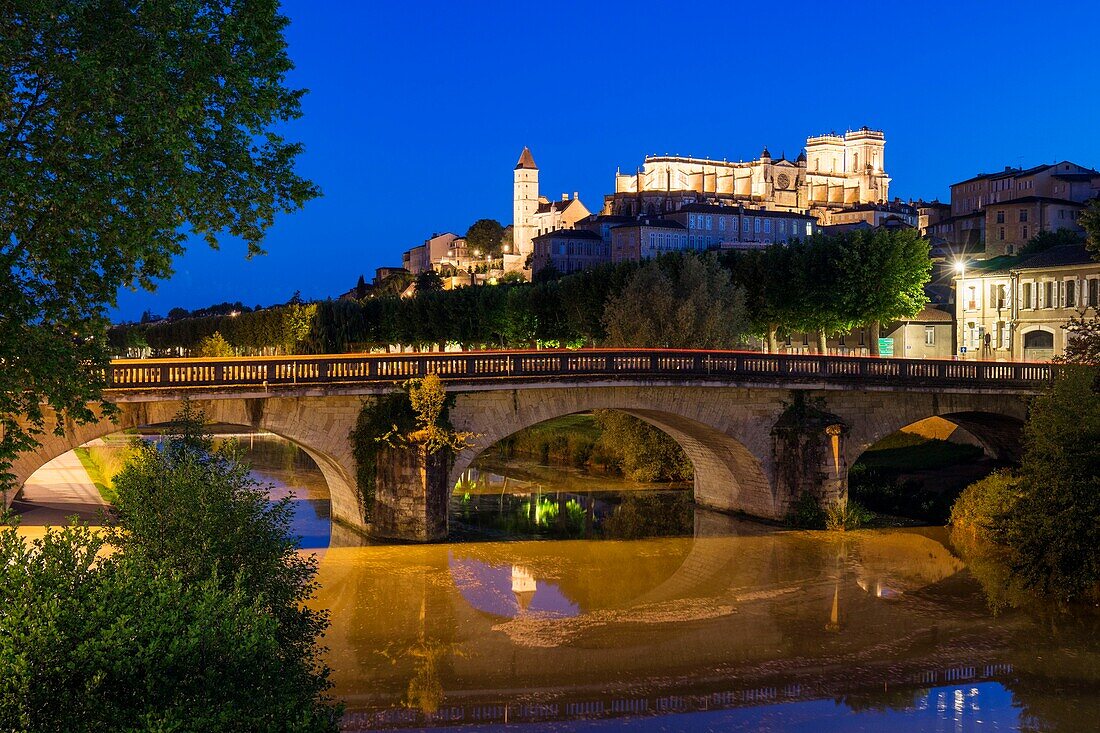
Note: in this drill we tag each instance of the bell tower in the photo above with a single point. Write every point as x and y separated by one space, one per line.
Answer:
525 203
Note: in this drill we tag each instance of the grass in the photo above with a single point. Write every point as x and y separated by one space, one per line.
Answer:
102 463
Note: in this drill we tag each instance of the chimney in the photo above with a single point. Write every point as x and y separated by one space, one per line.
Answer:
565 197
576 195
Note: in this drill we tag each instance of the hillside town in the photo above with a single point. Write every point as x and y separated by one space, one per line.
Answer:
1010 265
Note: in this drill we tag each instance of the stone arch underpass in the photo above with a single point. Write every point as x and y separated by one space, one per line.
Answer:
727 432
319 426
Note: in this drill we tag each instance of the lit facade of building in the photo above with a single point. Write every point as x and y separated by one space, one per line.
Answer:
1013 309
534 215
834 172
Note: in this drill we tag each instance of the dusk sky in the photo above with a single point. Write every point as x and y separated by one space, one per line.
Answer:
417 112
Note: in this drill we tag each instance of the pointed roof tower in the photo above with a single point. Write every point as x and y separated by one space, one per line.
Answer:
525 160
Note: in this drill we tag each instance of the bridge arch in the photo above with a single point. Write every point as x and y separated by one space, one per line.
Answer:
731 469
997 428
298 426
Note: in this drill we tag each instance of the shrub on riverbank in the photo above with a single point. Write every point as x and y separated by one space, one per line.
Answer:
191 612
1047 518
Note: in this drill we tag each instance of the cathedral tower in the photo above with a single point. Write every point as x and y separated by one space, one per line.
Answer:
525 203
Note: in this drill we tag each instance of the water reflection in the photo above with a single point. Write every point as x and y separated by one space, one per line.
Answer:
511 503
713 624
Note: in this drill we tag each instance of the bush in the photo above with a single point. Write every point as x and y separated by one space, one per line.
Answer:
985 503
198 620
844 514
806 512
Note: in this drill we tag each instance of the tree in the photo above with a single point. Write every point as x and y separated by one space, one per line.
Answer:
428 282
125 128
677 301
1052 532
645 452
881 278
485 236
361 288
1082 340
1044 240
214 345
1090 222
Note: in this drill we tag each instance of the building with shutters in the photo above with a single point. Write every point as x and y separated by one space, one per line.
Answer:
1013 308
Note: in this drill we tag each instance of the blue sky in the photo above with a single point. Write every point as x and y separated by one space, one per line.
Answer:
417 112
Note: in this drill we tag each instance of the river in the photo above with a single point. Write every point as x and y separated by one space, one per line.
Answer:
646 613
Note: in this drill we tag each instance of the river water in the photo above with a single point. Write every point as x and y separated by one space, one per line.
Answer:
648 614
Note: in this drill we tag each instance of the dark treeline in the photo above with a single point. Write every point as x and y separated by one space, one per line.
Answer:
824 285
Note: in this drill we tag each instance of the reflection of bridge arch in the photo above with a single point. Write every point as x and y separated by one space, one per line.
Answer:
302 424
729 453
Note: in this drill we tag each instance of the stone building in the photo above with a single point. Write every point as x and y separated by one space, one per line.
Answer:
996 213
570 250
534 215
1013 308
646 238
835 172
735 227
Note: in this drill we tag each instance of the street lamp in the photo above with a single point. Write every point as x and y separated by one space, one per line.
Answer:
960 311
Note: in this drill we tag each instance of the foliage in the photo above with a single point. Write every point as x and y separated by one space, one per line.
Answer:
194 508
646 453
126 128
881 279
1090 222
1053 532
188 613
677 301
1046 239
1083 340
805 512
485 236
984 503
428 282
843 514
214 345
378 417
428 399
102 463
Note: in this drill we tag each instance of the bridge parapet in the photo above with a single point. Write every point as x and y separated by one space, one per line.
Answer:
615 364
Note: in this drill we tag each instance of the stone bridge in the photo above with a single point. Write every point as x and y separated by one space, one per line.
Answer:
759 428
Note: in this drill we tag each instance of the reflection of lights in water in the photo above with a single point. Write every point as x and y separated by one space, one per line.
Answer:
508 590
878 589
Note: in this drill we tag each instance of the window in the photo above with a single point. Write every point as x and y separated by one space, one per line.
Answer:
1071 294
691 221
1025 295
1023 215
972 298
1000 217
747 225
1002 234
710 222
929 335
1094 292
1048 295
756 224
767 226
1023 232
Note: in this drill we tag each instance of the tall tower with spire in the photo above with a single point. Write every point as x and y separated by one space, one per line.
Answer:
525 203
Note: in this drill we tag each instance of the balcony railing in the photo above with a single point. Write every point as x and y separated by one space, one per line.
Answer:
579 365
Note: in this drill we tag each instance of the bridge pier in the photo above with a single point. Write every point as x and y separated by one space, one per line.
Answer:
411 494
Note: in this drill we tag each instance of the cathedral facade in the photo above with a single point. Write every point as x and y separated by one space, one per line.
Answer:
834 173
